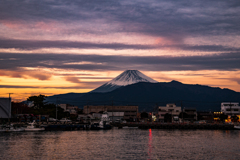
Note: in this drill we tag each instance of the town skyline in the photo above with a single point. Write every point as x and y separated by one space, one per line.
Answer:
60 47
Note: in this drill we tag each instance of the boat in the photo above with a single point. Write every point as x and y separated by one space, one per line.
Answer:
95 126
237 126
32 127
105 121
11 128
2 128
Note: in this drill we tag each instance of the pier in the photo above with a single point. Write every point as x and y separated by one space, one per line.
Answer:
158 125
141 125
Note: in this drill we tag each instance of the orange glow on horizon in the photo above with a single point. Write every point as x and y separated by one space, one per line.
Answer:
58 84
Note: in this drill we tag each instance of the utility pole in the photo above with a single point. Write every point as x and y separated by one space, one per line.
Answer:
87 107
56 107
182 111
112 110
9 114
231 110
156 109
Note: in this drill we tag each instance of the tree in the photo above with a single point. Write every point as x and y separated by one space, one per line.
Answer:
38 101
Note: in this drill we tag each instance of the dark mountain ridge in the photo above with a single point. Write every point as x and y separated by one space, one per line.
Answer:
149 95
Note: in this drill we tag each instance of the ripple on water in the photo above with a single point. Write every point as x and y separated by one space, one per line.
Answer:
121 144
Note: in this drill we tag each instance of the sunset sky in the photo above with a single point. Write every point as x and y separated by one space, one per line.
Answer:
57 46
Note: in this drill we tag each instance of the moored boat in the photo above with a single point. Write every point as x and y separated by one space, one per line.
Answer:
95 126
237 126
105 121
32 127
11 128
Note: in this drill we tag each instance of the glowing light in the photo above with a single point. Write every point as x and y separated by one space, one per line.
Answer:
150 144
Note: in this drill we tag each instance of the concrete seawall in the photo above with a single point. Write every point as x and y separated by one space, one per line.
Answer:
158 125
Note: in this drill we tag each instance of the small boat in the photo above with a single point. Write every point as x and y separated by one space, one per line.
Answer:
105 121
32 127
11 128
2 128
95 126
237 126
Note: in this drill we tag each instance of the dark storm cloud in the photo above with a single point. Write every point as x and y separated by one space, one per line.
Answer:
224 61
36 44
171 19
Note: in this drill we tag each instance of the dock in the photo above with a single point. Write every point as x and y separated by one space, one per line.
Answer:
141 125
159 125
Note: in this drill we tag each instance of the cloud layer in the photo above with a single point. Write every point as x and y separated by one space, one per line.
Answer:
79 44
223 61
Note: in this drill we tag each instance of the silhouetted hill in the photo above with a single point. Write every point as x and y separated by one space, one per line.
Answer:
150 95
68 98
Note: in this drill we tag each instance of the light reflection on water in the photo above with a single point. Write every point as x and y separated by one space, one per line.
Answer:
150 144
121 144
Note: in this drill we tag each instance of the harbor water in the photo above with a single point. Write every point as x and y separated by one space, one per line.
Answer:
121 144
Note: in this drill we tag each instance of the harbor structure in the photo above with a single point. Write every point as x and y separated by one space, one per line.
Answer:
128 113
230 108
169 109
208 116
5 107
191 114
69 108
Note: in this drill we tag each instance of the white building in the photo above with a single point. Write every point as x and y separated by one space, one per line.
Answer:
69 108
171 109
113 116
230 108
5 107
192 114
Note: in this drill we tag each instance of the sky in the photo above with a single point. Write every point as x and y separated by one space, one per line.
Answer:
55 46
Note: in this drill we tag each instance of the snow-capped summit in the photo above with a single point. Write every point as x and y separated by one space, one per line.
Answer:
130 77
126 78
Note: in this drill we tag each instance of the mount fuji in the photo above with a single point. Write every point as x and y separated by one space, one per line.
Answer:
134 88
126 78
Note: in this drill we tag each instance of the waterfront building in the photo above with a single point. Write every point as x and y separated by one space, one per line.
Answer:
191 114
5 107
115 116
207 116
128 113
171 109
230 108
69 108
218 116
85 118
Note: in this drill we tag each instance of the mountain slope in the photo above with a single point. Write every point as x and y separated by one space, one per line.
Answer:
68 98
149 95
126 78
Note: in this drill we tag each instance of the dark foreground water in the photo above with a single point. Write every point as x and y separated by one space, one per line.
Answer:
122 144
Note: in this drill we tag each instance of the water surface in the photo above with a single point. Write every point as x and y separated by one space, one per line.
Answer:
121 144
